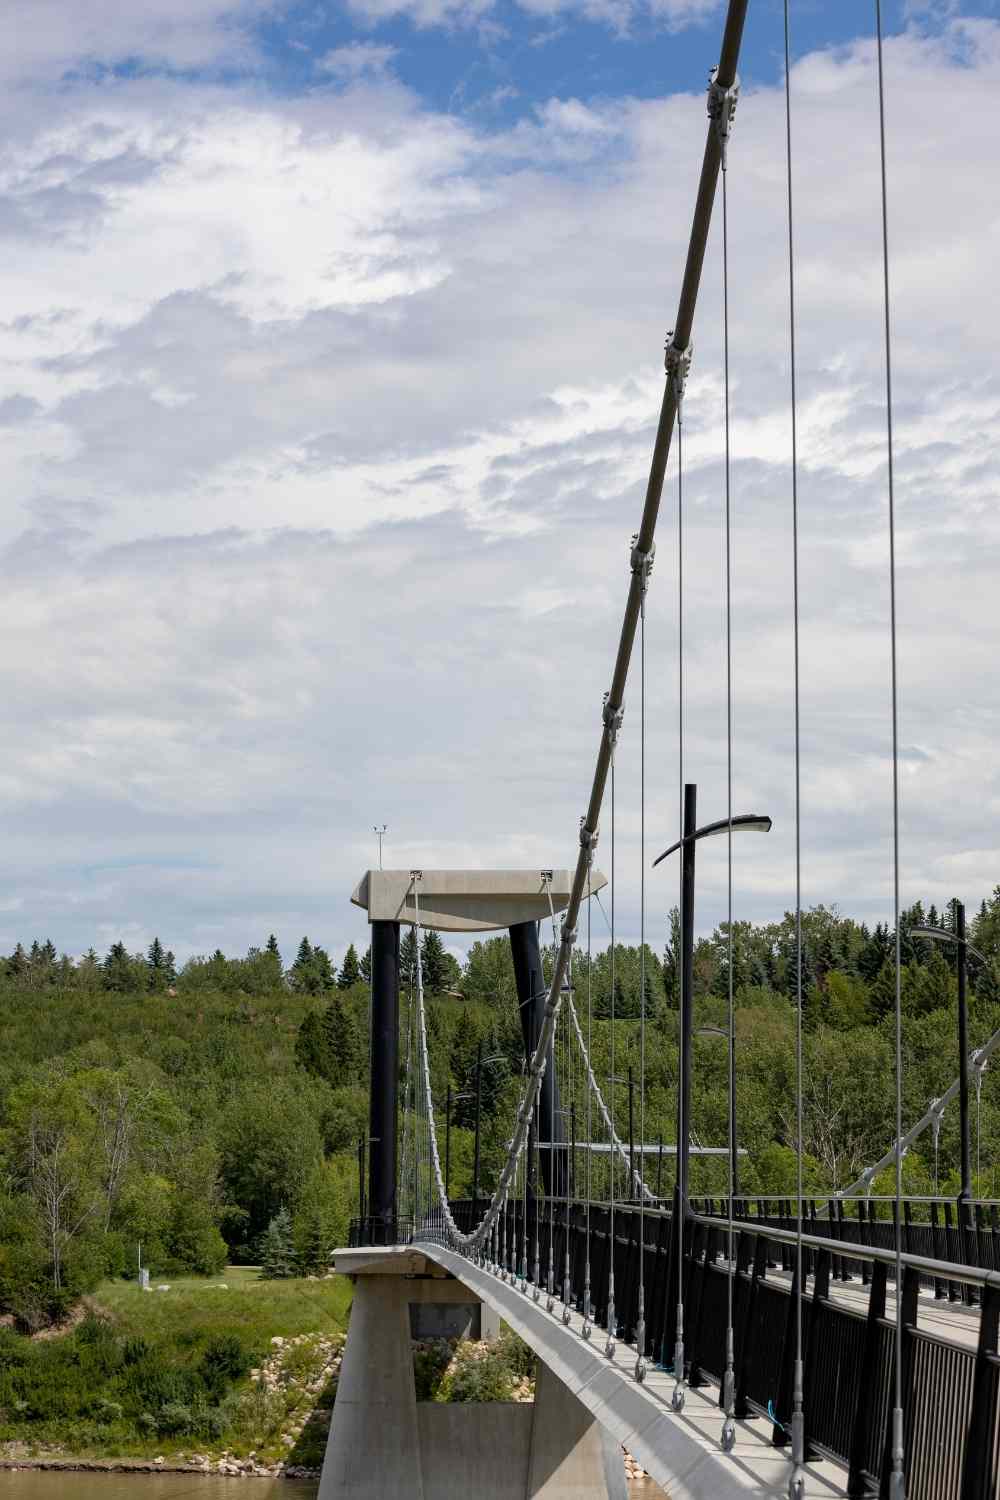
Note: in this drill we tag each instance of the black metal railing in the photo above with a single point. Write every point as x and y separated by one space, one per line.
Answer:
951 1391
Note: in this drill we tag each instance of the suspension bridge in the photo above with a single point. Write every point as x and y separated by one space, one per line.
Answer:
736 1346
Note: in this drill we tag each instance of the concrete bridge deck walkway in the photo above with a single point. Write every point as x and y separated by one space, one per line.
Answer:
680 1451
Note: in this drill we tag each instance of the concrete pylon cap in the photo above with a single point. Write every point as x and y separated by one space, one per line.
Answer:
466 900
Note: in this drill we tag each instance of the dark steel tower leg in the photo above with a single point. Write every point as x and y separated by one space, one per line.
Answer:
531 997
384 1097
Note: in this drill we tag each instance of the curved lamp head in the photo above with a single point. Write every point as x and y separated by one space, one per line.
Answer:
745 823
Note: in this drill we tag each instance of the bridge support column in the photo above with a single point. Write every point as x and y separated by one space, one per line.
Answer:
531 997
383 1106
572 1456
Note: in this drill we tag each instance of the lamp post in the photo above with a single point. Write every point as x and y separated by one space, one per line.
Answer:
380 835
451 1099
630 1080
746 822
963 948
718 1031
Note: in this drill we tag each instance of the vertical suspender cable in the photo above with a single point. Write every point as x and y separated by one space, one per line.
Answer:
797 1482
590 1142
729 1380
612 1322
640 1330
677 1399
897 1488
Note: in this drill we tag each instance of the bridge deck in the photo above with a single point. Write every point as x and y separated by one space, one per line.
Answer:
680 1452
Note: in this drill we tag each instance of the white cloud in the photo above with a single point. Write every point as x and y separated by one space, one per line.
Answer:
358 60
326 423
50 36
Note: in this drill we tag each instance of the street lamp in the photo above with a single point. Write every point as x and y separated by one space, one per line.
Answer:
380 835
964 947
481 1061
746 822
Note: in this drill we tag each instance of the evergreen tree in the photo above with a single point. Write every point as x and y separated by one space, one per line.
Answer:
156 956
366 965
272 947
311 1049
435 964
408 958
277 1251
341 1043
350 973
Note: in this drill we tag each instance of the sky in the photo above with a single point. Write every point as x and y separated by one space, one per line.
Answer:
330 358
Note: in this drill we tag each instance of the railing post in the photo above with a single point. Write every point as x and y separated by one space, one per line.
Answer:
699 1274
906 1311
780 1434
821 1294
940 1251
979 1476
865 1239
865 1400
744 1343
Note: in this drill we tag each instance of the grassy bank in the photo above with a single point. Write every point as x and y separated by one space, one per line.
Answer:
219 1366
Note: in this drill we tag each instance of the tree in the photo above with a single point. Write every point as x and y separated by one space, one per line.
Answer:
366 965
408 957
272 947
277 1249
350 972
341 1042
311 1048
434 962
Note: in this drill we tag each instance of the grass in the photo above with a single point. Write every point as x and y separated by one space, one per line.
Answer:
254 1309
168 1371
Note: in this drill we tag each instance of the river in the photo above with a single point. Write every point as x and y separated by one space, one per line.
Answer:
46 1484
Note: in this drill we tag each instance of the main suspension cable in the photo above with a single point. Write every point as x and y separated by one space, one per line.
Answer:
897 1487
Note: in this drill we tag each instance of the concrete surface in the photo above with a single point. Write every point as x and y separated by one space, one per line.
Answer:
465 900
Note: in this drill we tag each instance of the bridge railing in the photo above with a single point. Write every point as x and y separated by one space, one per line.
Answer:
952 1389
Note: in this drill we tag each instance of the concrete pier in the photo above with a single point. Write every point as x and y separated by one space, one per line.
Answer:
384 1445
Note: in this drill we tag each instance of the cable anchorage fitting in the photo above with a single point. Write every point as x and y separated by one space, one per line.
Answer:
588 837
722 109
677 363
641 562
612 719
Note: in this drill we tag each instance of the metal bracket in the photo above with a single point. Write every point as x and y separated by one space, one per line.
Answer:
588 839
722 109
677 363
612 719
642 562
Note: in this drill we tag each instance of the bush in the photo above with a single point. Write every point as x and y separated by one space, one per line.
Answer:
430 1361
476 1377
174 1417
517 1358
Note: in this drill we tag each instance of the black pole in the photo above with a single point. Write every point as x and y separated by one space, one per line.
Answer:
572 1159
732 1114
361 1186
965 1196
383 1107
631 1137
687 990
531 997
479 1110
447 1146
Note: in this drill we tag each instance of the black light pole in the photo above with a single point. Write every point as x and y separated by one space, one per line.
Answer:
361 1184
447 1145
746 822
963 947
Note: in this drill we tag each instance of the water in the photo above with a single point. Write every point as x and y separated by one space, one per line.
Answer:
47 1484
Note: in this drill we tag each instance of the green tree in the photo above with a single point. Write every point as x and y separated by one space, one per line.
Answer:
277 1248
350 973
434 962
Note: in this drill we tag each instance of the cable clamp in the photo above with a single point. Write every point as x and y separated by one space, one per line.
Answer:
612 719
722 109
568 937
588 837
642 562
677 363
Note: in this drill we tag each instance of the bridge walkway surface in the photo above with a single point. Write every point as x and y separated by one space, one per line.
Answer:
681 1451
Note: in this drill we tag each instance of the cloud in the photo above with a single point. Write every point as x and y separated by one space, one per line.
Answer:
326 424
52 36
358 60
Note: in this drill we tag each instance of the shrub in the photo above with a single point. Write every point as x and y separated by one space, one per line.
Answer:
174 1417
476 1377
514 1354
430 1361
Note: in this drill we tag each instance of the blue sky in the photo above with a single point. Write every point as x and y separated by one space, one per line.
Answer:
503 63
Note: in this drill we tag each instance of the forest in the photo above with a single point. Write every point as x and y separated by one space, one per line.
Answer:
210 1113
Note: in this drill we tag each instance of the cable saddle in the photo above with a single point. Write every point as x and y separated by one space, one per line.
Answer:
722 109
